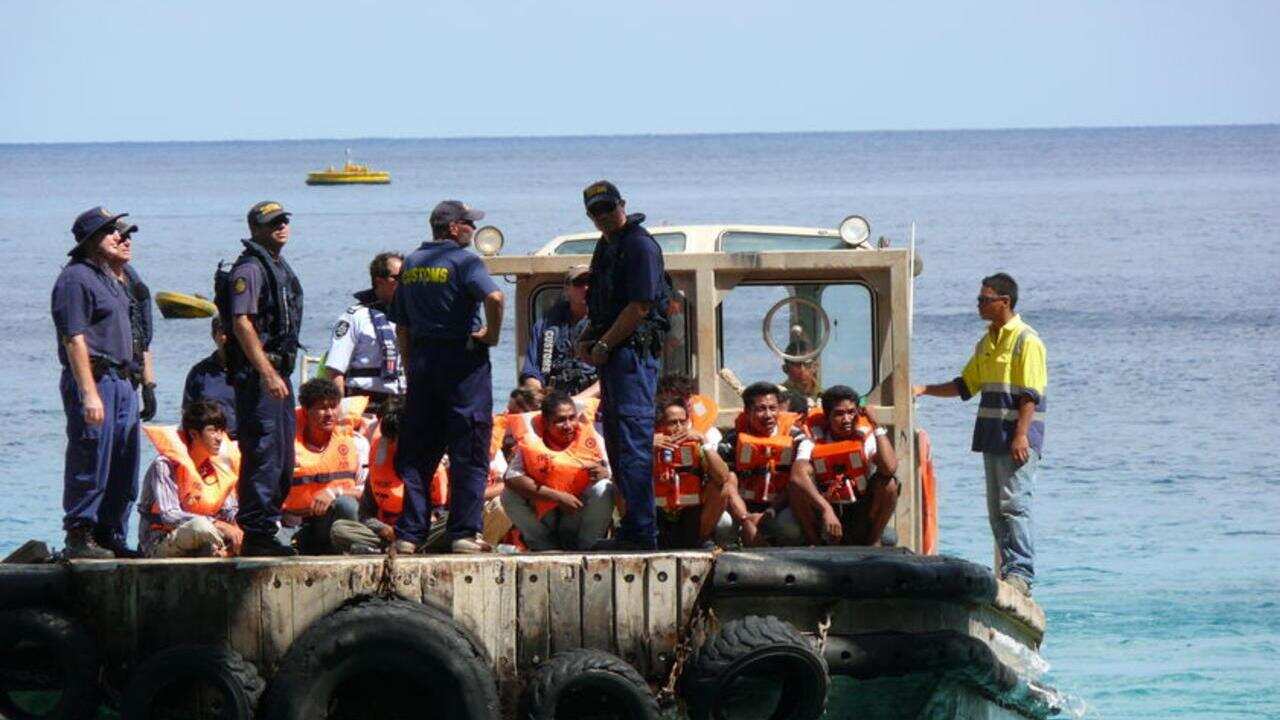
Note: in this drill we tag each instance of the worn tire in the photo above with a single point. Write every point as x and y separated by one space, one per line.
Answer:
47 650
579 683
236 682
360 653
761 647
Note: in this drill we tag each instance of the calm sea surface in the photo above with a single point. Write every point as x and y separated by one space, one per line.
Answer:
1149 261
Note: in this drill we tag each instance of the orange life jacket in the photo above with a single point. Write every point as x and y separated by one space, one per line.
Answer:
840 467
384 481
334 468
702 413
204 481
565 470
928 494
763 464
677 476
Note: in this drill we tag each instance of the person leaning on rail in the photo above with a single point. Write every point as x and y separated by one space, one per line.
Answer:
1009 372
850 474
449 402
330 467
363 358
558 492
260 302
188 503
550 361
91 307
627 307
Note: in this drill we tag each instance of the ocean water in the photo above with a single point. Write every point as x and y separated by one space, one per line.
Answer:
1149 261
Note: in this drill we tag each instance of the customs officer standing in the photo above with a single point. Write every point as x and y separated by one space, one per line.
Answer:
449 403
628 324
362 357
91 312
260 300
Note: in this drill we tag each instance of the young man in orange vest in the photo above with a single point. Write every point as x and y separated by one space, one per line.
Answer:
846 493
558 488
765 447
695 492
188 503
331 462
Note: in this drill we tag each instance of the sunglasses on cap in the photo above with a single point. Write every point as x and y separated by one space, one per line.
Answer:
602 208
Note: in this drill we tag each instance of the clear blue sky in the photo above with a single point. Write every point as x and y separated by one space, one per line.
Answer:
104 71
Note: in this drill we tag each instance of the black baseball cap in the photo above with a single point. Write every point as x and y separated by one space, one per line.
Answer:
266 212
125 227
600 191
89 222
448 211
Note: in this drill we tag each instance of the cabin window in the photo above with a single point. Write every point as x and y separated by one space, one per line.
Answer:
669 242
848 357
763 242
676 351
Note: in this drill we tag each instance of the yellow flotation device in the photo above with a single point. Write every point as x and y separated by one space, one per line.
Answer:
179 305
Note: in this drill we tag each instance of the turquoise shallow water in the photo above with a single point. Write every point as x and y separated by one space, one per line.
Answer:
1149 264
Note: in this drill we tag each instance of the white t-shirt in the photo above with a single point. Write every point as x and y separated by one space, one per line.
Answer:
354 345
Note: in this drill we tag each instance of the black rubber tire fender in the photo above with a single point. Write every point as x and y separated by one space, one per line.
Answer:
71 649
377 635
236 681
618 685
747 641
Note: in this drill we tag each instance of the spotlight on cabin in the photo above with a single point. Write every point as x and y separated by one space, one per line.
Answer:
854 230
488 241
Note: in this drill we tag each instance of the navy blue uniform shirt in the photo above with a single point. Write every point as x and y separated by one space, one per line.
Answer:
441 288
207 380
631 267
89 301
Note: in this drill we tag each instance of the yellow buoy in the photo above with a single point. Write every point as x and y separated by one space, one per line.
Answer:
180 305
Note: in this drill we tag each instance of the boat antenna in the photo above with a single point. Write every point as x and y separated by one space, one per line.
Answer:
911 279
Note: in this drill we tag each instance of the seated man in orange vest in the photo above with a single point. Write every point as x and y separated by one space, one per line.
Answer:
331 461
847 493
188 502
692 485
765 447
558 492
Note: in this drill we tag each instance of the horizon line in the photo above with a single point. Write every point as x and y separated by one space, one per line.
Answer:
673 134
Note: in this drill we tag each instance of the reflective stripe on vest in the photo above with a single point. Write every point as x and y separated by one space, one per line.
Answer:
677 476
763 464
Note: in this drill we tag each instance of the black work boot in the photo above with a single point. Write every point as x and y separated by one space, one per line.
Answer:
265 546
82 546
116 546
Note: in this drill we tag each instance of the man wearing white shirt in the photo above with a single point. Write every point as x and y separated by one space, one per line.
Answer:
362 357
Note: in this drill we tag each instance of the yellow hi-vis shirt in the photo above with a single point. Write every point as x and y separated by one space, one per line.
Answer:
1004 368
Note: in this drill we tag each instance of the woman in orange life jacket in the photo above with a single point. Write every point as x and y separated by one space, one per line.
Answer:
331 462
188 502
848 493
558 492
765 448
695 493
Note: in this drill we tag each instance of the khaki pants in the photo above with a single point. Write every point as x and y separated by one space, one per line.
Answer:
346 533
197 537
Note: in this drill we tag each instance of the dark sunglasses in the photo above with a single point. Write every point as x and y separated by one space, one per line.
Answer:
984 299
602 208
279 222
389 276
468 223
583 281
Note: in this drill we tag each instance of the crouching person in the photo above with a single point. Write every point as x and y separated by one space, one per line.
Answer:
188 502
331 460
847 493
695 493
558 492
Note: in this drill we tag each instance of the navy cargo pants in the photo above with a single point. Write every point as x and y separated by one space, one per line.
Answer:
266 428
100 478
448 407
628 382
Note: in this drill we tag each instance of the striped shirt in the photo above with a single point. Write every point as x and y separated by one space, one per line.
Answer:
1006 367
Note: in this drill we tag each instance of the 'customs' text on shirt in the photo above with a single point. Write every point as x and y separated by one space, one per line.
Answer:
425 275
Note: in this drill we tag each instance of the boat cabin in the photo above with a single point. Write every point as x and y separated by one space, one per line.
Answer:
750 297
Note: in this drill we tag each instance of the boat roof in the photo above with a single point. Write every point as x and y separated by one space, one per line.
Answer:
697 238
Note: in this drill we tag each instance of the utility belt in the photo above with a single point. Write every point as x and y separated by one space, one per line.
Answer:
281 362
378 373
100 367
